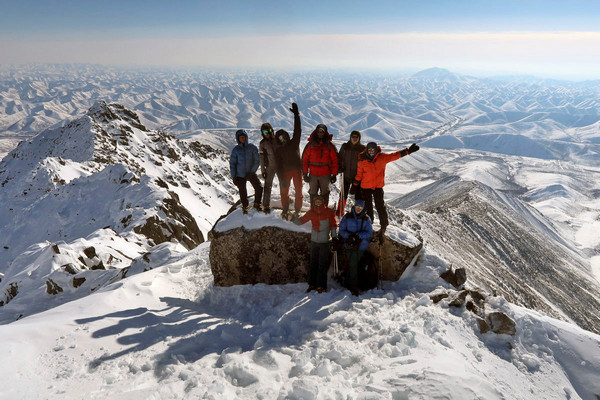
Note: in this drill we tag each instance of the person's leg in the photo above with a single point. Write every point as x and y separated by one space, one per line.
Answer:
241 185
266 198
324 260
352 277
323 183
284 191
313 187
380 206
296 175
313 266
367 196
258 190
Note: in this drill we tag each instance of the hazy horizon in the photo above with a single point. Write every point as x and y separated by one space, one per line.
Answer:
540 38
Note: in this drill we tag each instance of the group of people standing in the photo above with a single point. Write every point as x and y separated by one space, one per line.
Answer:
363 174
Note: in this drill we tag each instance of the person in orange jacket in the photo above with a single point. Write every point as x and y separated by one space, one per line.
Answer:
323 227
370 177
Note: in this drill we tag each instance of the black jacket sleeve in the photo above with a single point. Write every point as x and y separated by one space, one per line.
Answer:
297 130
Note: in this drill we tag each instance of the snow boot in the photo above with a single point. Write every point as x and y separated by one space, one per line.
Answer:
245 209
267 209
257 206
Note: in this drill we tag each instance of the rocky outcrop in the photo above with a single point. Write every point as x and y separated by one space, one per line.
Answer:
279 254
268 255
177 224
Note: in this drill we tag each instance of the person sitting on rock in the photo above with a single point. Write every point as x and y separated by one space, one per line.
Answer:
289 166
370 177
243 164
356 229
323 227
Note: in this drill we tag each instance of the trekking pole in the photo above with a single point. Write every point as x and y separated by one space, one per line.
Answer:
379 283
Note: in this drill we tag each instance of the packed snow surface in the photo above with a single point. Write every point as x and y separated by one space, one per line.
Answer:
169 333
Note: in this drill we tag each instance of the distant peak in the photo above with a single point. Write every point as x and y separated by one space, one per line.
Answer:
437 74
101 112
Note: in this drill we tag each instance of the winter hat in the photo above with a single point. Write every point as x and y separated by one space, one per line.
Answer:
359 203
355 133
266 127
322 126
372 146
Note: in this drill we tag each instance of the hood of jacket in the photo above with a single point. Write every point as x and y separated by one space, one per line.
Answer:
240 133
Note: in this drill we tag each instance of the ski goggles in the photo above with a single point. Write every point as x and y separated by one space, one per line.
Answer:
266 132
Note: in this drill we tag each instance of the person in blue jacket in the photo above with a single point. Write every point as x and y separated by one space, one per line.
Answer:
356 228
244 162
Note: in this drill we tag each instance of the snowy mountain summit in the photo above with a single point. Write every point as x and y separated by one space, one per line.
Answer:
106 288
102 193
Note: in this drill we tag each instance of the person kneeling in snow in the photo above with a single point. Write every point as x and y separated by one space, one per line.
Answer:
356 229
323 225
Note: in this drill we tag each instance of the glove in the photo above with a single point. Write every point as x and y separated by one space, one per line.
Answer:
332 178
353 241
294 109
352 189
413 147
264 175
306 177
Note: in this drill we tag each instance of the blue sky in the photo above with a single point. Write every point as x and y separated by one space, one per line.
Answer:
555 37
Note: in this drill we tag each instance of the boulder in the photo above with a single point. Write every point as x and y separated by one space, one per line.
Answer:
270 255
501 323
259 248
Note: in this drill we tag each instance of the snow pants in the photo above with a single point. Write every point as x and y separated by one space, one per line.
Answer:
266 199
354 256
368 195
284 189
241 185
319 185
319 264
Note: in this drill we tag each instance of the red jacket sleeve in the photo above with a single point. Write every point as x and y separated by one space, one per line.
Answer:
389 157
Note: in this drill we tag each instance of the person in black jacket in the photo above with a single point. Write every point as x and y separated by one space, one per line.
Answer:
348 160
289 165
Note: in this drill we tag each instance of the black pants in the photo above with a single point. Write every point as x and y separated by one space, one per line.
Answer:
319 264
241 185
368 195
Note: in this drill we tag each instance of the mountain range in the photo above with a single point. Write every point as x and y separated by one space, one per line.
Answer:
106 202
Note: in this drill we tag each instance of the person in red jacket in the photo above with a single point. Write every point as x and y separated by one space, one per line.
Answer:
323 224
320 163
370 177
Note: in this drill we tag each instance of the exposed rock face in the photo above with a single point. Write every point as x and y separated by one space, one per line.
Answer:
395 257
177 224
268 255
273 255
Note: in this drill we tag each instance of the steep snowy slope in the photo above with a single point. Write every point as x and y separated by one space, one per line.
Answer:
507 246
98 194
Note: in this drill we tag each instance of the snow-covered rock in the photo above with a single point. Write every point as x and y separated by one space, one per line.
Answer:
258 248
